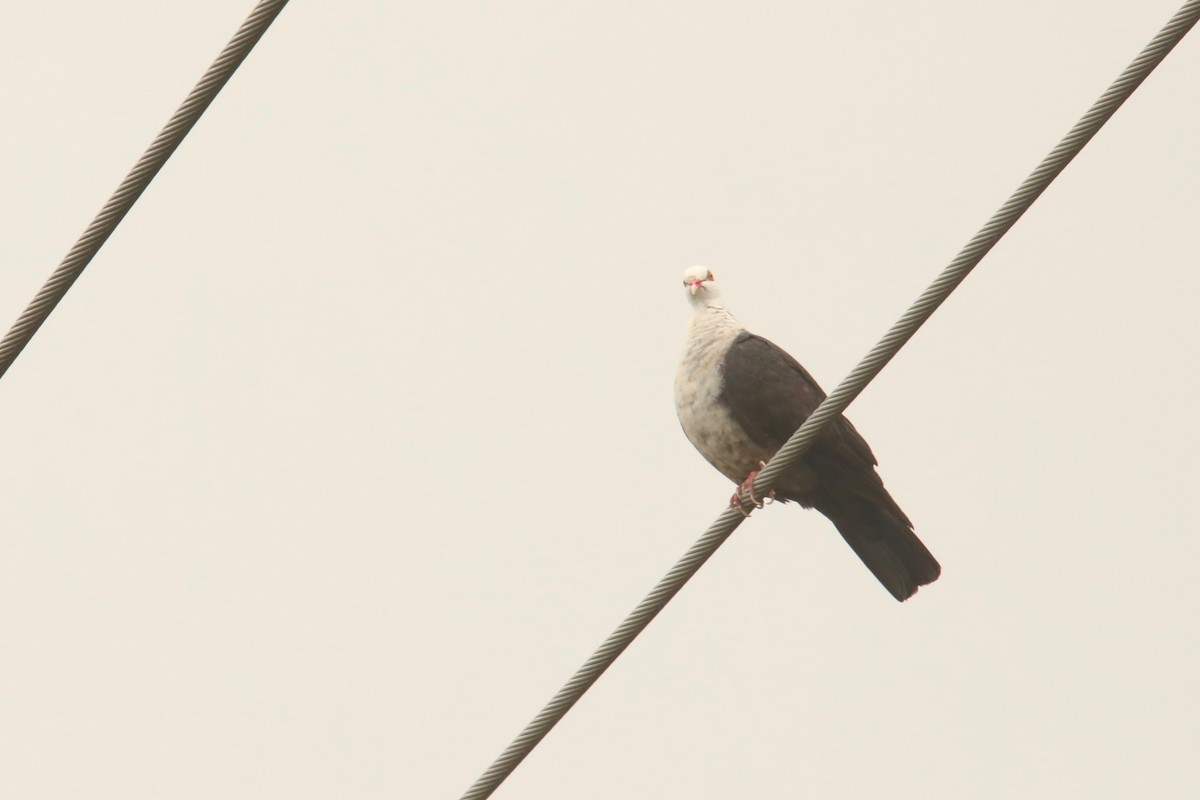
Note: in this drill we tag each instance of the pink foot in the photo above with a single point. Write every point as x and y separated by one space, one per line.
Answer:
748 486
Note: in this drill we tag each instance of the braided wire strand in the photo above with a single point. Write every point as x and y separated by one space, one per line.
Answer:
983 241
840 398
131 188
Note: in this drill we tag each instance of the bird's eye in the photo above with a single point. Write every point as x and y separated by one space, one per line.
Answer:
710 276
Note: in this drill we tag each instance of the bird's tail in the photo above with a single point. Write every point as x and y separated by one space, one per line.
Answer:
886 544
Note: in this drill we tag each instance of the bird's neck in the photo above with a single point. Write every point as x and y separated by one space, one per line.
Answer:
712 320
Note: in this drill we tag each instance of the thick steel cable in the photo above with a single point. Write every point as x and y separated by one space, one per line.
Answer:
840 398
169 138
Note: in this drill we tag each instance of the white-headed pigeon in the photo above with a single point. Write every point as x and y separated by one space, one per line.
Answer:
739 398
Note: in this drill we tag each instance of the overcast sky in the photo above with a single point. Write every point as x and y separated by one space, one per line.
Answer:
357 437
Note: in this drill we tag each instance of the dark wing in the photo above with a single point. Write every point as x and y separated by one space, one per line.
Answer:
770 395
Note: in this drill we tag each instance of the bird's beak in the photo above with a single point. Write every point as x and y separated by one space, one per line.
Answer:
694 287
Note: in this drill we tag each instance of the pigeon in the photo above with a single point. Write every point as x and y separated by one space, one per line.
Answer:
739 398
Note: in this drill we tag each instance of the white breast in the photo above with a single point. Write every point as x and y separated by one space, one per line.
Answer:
698 384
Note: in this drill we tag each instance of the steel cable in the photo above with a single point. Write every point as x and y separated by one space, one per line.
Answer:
169 138
840 398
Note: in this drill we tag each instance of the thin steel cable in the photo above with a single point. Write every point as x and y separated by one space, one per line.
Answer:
836 403
169 138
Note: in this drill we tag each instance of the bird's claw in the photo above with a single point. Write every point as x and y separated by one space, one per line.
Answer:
736 502
748 486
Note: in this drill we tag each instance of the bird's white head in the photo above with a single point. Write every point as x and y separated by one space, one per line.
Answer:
701 286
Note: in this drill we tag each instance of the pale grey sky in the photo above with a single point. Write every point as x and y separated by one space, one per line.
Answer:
358 437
